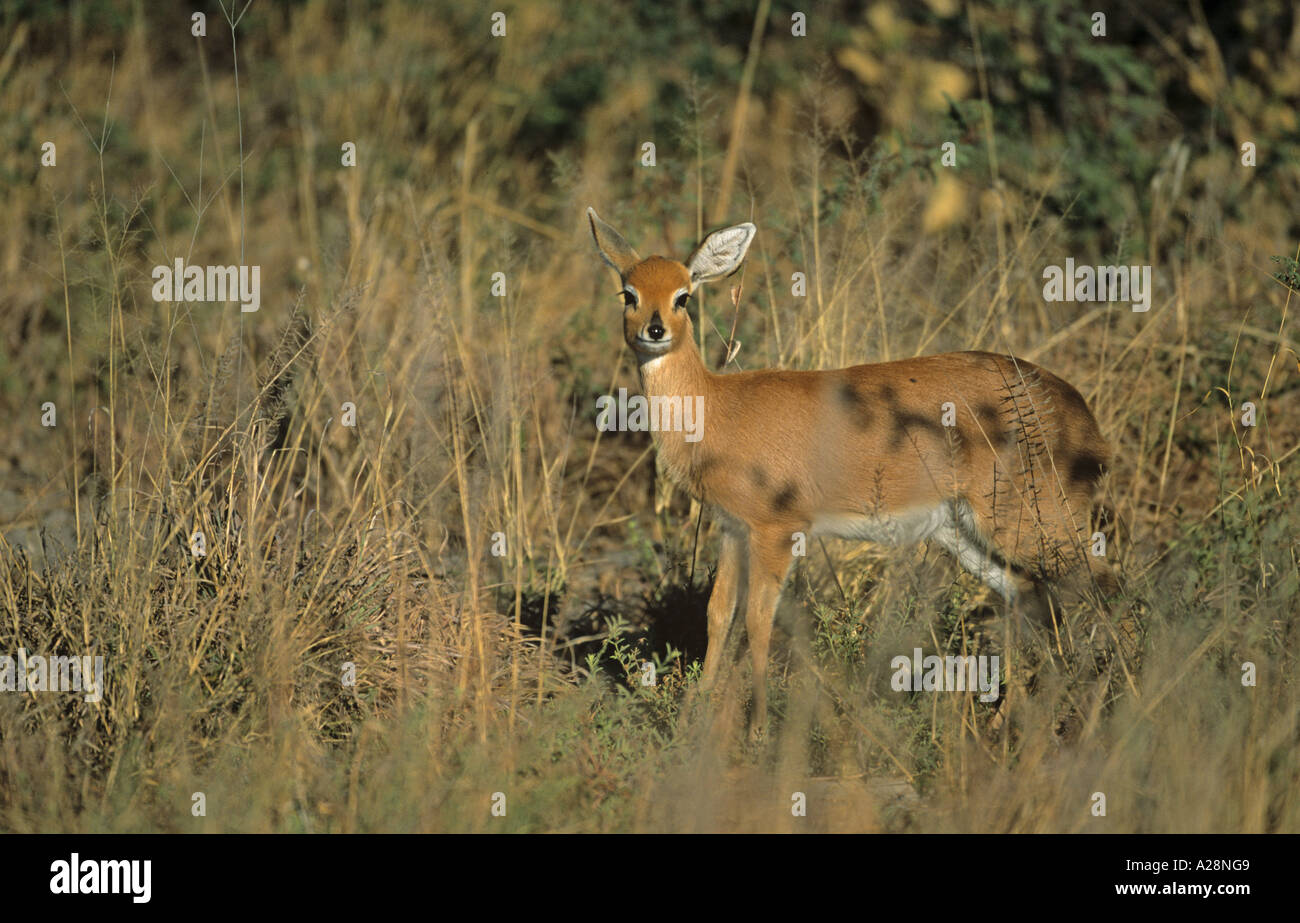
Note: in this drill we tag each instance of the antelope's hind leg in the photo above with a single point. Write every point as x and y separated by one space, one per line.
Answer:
973 554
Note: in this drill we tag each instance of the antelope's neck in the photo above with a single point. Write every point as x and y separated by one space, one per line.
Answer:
680 381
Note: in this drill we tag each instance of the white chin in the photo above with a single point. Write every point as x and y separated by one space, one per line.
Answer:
653 347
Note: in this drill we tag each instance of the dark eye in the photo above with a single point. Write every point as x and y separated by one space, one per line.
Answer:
628 298
682 299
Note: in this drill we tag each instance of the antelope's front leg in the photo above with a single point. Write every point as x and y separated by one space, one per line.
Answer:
769 562
723 600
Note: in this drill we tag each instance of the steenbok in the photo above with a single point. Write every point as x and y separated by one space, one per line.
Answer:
995 459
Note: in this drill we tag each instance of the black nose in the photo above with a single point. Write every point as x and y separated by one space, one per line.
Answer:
656 328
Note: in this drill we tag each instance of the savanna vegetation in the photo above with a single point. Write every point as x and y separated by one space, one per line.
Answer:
428 579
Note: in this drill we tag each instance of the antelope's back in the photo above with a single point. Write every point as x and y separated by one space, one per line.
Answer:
895 435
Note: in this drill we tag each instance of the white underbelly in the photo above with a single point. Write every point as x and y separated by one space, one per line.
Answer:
906 527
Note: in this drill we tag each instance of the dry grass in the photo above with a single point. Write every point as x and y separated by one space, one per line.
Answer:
372 545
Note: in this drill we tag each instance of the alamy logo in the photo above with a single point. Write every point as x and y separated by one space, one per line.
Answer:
52 674
103 876
1098 283
660 413
209 283
946 674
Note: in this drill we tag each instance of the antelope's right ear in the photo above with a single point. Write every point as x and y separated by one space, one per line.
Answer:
614 250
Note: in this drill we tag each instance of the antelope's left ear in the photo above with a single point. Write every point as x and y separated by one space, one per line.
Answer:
721 253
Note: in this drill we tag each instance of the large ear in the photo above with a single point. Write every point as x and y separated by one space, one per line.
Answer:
614 250
721 253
